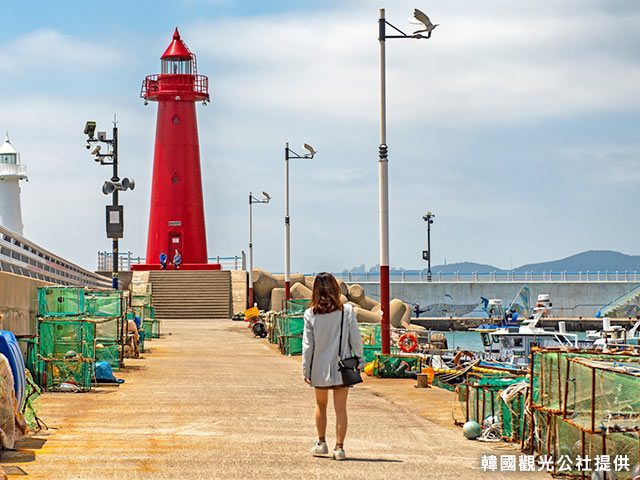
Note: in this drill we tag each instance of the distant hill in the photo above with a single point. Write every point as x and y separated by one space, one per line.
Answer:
592 260
463 267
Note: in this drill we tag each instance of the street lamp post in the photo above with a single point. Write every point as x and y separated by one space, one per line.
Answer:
288 154
426 254
115 211
253 200
383 163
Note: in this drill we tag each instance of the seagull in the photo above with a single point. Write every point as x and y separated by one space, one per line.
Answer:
422 19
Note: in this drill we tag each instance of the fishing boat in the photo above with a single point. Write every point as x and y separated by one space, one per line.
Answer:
614 335
512 344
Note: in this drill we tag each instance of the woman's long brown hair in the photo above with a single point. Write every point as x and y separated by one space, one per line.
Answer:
326 294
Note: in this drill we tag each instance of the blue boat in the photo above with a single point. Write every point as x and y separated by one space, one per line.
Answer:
9 348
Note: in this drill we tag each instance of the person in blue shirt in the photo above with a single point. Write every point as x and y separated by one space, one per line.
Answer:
177 259
418 311
163 260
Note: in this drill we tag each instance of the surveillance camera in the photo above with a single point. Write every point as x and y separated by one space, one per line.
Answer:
96 150
88 146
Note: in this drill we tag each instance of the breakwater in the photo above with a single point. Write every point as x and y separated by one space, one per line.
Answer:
445 299
459 324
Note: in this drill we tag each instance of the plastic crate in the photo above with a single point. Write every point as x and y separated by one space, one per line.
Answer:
111 353
103 304
290 345
60 301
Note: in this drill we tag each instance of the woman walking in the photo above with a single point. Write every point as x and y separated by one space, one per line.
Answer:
324 321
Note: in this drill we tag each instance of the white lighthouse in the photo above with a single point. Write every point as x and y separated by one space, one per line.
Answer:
11 172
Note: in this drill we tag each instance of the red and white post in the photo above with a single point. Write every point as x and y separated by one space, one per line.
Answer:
287 227
250 250
383 163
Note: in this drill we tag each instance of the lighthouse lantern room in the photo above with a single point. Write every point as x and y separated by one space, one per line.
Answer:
176 217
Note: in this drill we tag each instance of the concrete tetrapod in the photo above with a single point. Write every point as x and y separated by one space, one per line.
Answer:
365 316
264 282
356 295
299 291
308 281
400 313
277 299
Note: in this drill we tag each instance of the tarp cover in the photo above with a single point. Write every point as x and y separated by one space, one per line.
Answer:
13 426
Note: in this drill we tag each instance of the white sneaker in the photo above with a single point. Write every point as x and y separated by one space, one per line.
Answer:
338 454
319 449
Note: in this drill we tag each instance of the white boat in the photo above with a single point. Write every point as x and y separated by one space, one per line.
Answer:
512 344
613 335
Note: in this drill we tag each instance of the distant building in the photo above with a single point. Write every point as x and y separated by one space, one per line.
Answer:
11 172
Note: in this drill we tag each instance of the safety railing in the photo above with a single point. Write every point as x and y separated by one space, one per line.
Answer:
493 277
13 170
621 300
126 259
23 257
174 84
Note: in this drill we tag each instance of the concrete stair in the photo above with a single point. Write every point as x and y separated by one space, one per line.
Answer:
622 306
191 294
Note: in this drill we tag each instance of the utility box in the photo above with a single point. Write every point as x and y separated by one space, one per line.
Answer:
115 221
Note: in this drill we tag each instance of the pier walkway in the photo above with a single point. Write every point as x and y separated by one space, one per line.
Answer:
211 402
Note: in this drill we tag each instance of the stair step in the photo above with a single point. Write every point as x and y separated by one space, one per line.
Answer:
185 294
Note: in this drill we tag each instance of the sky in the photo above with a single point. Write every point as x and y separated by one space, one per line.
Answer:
517 124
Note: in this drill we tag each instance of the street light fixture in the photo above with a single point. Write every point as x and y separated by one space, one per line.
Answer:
288 153
253 200
114 212
426 254
383 167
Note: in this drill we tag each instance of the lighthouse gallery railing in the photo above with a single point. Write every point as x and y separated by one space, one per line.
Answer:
13 169
174 84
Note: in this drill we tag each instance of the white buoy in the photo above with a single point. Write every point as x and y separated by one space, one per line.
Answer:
11 172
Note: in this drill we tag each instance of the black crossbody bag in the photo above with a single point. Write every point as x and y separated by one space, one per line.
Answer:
348 366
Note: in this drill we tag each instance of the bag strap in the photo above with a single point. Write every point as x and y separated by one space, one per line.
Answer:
340 344
341 328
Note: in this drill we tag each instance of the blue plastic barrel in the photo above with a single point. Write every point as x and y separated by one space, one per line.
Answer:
9 348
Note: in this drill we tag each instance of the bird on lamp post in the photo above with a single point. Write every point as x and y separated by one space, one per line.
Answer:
422 19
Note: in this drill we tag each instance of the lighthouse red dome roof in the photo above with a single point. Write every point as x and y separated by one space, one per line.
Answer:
177 48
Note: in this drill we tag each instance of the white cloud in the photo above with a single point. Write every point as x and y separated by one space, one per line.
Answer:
52 51
477 67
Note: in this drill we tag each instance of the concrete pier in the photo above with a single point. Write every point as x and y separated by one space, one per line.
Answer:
212 402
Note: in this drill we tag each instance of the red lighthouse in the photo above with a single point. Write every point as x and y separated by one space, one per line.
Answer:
176 219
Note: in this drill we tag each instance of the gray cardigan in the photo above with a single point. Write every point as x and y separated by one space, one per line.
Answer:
320 345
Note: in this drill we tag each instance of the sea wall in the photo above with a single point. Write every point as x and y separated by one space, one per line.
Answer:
18 302
444 299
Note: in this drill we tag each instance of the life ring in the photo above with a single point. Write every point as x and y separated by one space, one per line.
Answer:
460 354
408 338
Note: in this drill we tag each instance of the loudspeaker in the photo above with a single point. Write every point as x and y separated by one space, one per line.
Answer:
128 183
108 187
